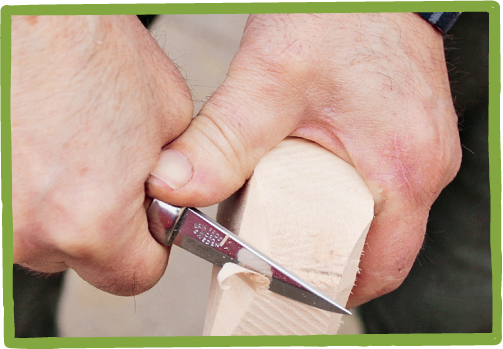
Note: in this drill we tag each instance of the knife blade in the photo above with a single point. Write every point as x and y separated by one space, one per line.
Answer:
195 232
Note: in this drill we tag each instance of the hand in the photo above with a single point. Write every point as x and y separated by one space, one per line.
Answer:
94 99
371 88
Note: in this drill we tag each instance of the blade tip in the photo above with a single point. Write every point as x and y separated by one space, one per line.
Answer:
346 312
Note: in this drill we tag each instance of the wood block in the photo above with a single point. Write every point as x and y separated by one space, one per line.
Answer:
309 211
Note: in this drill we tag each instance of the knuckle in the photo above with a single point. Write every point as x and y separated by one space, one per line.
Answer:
455 160
78 243
286 56
388 261
75 229
424 164
279 67
391 276
387 285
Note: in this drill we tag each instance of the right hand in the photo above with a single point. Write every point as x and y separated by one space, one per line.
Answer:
94 99
370 87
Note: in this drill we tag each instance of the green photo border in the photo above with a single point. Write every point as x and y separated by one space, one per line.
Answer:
232 8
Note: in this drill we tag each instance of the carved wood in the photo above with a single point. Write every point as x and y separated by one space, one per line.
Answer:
309 211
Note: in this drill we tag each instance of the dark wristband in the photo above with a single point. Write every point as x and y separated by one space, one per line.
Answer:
443 21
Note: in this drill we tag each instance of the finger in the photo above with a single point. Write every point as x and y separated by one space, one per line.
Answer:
128 268
393 242
403 193
223 144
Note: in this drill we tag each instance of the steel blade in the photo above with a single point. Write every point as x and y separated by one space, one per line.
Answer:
200 235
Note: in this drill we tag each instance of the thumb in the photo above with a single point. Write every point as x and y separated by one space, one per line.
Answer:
218 152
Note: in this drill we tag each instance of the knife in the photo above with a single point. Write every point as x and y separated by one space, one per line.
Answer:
195 232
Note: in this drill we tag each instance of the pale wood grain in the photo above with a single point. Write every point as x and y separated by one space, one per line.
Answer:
309 211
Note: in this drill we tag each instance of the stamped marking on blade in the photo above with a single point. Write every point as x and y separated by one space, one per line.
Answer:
207 235
224 240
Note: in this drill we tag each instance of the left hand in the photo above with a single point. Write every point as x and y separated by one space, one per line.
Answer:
94 99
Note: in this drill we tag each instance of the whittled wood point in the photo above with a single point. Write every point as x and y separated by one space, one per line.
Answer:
309 211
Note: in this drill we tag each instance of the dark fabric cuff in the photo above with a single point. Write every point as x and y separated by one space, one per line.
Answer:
443 21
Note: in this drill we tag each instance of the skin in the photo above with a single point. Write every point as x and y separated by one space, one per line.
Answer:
371 88
88 125
94 99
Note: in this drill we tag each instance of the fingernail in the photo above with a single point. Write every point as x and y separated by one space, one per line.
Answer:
173 169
